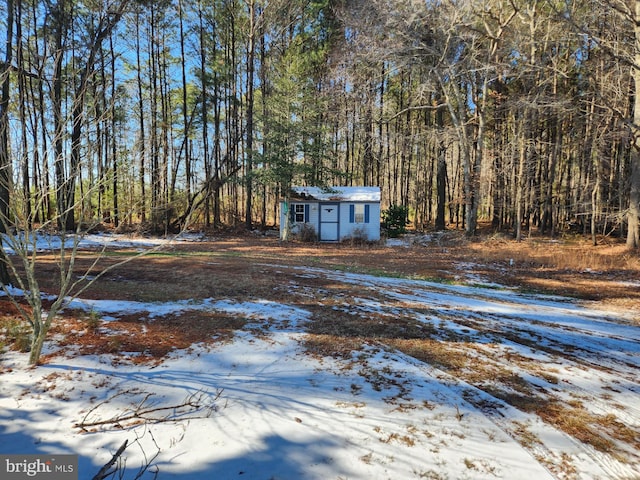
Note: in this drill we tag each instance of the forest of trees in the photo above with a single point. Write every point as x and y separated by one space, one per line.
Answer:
522 113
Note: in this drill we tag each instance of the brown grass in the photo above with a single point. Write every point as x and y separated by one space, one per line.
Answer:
143 339
243 268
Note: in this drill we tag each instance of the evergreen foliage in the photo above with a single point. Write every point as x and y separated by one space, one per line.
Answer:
394 220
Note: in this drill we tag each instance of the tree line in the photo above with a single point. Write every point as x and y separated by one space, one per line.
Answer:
523 113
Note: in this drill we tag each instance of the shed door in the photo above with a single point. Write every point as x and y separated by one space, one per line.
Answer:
329 216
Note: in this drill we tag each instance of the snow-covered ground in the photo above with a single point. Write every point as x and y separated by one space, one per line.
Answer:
262 407
43 242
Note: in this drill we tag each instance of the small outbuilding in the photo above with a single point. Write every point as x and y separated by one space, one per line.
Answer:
334 213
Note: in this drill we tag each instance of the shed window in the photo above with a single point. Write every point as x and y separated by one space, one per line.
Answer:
359 213
300 213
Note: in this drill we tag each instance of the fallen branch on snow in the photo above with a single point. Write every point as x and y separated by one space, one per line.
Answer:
145 412
109 470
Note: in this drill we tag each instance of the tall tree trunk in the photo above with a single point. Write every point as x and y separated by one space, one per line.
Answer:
5 157
633 216
142 134
106 25
367 154
60 27
521 176
204 85
478 153
499 141
103 132
166 138
154 61
39 194
381 123
45 185
22 93
265 131
114 142
251 50
441 175
185 116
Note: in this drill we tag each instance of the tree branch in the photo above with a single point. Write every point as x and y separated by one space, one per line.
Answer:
106 471
150 414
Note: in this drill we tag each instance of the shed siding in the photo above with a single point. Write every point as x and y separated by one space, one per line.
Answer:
371 224
358 211
346 221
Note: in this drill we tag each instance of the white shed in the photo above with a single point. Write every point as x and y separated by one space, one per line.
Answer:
335 213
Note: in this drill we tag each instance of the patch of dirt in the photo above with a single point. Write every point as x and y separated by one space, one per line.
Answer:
250 267
139 339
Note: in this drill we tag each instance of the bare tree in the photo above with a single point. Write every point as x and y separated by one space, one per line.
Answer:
252 34
22 246
458 47
616 42
5 157
633 216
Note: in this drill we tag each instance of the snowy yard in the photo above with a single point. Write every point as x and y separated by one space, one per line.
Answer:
460 381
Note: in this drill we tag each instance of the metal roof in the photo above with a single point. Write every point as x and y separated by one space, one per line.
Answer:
338 194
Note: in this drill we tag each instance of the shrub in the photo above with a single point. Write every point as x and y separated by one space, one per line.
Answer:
394 220
18 335
306 233
93 320
359 236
